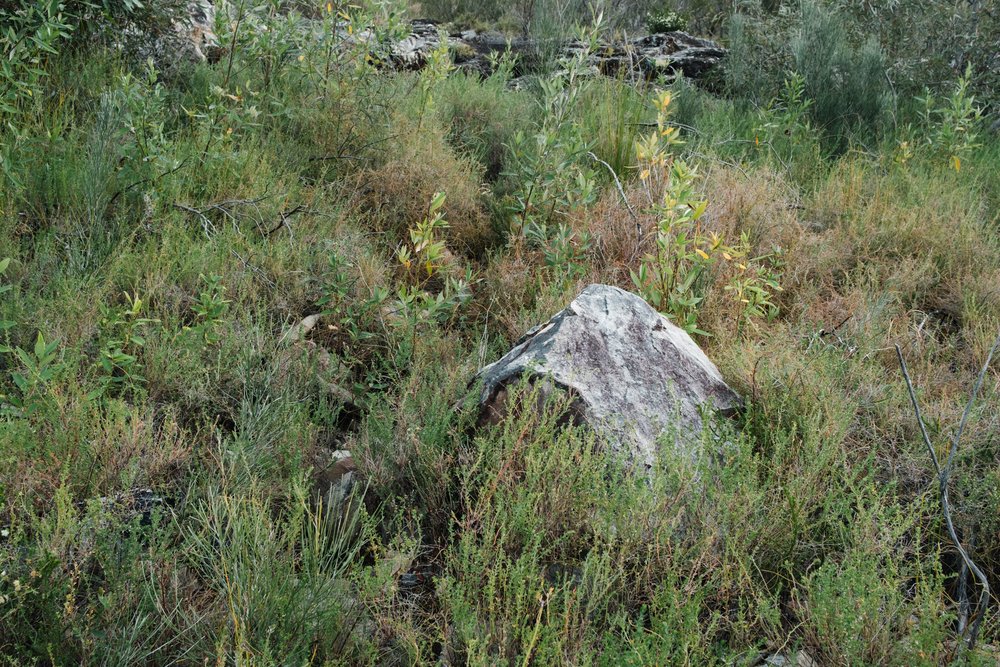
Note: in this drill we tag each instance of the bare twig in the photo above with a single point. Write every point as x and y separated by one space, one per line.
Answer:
621 191
225 208
343 156
731 165
254 270
206 225
757 142
964 604
143 181
285 215
944 474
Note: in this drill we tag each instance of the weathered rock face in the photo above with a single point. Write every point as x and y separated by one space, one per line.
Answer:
635 377
189 38
199 30
638 59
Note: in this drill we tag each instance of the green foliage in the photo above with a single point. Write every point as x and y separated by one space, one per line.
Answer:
931 42
755 287
5 324
790 526
759 55
435 70
210 308
550 170
281 580
669 278
122 339
352 318
845 77
564 250
676 276
613 113
144 103
428 250
426 256
482 118
665 20
30 34
952 126
857 610
847 86
786 133
38 368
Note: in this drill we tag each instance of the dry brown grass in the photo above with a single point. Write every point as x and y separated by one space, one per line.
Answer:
761 205
396 194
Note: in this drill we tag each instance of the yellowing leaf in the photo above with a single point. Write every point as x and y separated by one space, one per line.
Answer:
701 253
699 209
956 162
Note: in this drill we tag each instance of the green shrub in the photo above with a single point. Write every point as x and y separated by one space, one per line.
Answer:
239 204
418 165
612 114
31 35
278 584
846 79
482 118
847 85
758 56
665 20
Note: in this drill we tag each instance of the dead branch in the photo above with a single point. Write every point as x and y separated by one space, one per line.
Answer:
226 209
621 191
285 215
944 474
618 184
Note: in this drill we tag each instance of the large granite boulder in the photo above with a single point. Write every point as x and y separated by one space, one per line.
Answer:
639 380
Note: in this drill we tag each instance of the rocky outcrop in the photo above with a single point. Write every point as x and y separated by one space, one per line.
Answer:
188 37
644 58
639 380
198 31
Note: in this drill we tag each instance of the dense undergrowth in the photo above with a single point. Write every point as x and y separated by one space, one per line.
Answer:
163 234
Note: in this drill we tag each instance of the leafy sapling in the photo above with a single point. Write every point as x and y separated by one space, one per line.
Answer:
38 367
423 260
118 362
210 308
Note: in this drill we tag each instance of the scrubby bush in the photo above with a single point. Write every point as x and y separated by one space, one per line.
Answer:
482 119
665 20
420 164
845 78
847 85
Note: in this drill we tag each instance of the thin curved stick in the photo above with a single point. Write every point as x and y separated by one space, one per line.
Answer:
972 399
944 474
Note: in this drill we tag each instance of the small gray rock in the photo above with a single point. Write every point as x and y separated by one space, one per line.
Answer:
798 659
